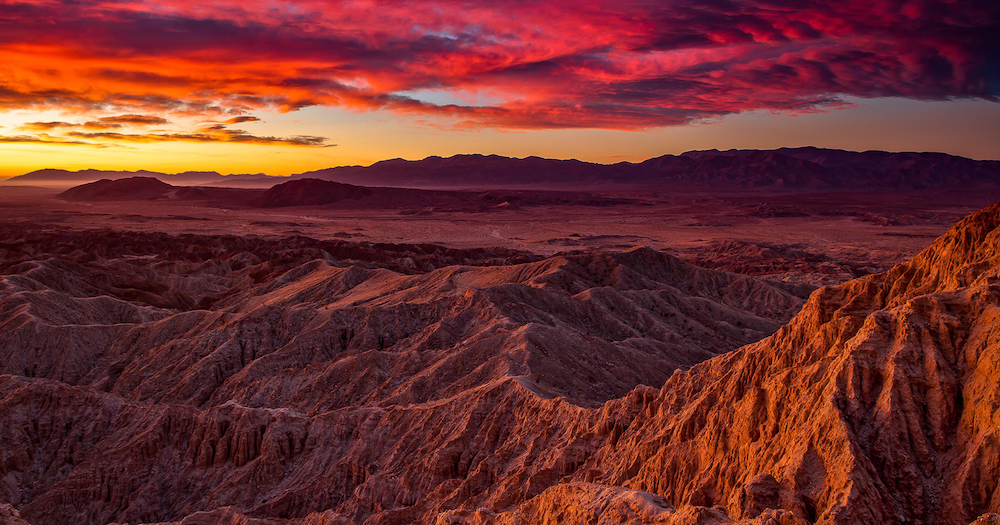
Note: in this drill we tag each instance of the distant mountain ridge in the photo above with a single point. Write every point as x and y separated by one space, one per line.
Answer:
66 179
806 168
792 168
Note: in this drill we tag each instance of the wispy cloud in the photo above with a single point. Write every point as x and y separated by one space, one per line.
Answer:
133 120
242 119
43 139
215 135
113 122
104 131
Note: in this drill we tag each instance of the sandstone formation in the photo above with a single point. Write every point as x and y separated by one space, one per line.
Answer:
222 380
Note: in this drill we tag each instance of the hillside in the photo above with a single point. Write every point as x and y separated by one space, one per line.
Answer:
135 189
309 192
132 188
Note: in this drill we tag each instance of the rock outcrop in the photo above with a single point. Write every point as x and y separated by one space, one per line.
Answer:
10 516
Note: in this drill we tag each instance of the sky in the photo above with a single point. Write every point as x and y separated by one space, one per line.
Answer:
285 87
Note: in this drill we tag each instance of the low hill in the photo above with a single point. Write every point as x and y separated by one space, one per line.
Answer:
309 192
133 188
149 188
318 192
323 193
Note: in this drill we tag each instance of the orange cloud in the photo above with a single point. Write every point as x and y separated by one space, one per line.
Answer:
626 64
115 122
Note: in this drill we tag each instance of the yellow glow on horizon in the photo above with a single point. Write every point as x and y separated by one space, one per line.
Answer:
967 128
168 158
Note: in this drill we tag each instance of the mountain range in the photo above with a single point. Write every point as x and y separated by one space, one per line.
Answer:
785 168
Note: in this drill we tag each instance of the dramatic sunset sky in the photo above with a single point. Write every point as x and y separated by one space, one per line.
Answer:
283 87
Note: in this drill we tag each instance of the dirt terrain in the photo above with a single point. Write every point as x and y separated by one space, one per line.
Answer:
811 215
157 378
317 353
814 237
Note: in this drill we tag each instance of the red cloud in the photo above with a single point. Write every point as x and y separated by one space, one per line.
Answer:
623 64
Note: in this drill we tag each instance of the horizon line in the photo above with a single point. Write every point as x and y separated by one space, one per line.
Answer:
139 170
